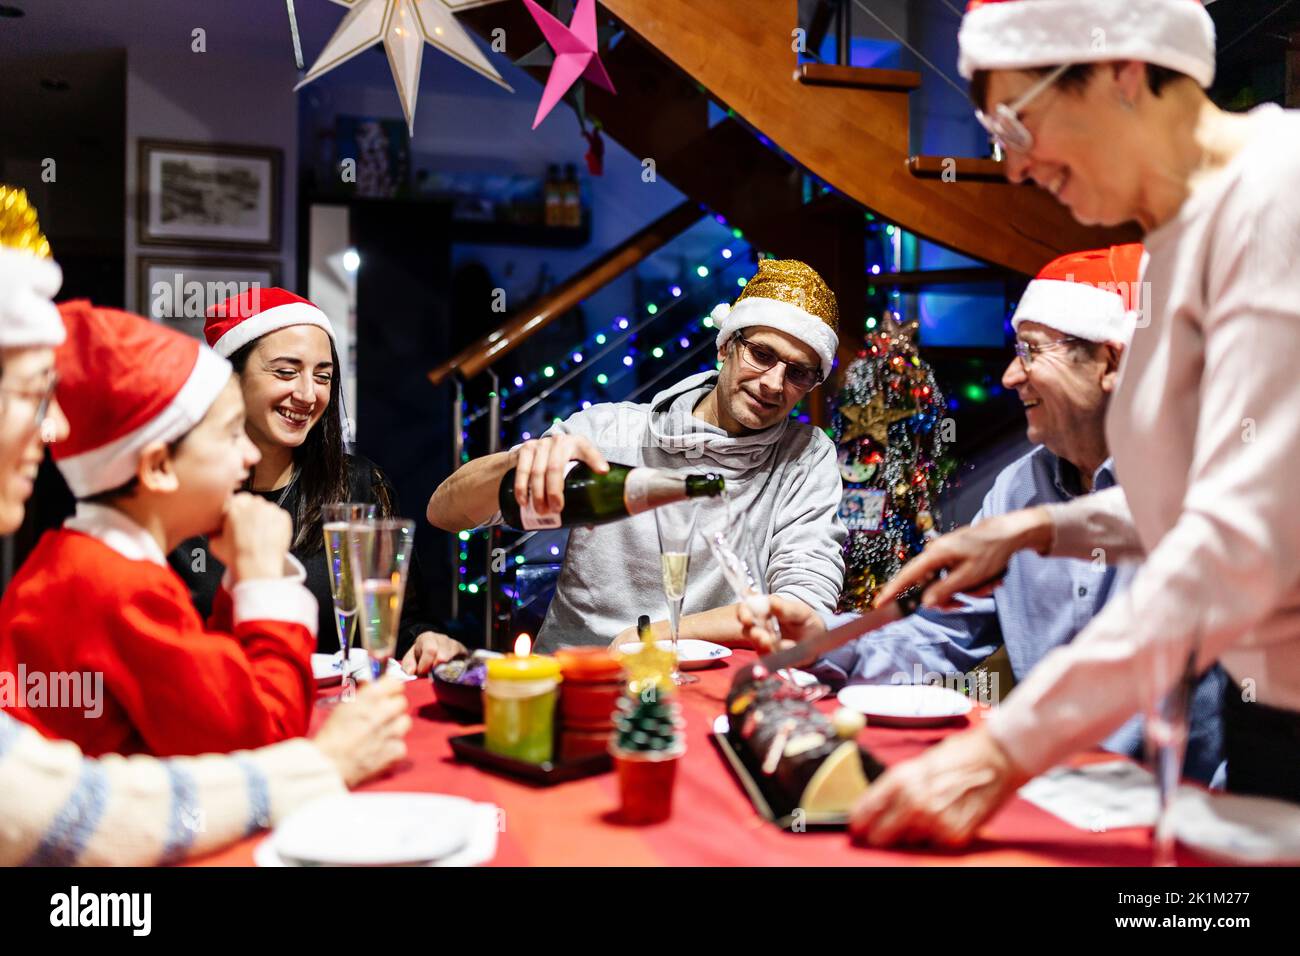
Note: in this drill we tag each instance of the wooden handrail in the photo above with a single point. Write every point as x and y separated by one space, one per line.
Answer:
521 326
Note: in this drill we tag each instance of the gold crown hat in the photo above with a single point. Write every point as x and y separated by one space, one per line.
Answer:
789 296
29 278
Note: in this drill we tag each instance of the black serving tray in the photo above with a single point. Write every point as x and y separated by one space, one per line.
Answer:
471 749
761 801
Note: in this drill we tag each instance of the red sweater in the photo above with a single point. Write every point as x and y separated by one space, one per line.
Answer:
170 685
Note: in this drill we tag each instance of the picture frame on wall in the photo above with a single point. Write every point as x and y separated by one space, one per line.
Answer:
209 194
178 290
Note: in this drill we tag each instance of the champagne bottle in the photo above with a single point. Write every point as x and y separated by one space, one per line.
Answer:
590 498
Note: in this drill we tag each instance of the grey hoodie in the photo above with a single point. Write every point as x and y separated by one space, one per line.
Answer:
785 477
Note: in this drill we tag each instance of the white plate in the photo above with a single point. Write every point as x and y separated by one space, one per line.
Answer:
374 829
691 653
326 668
481 847
905 705
1237 829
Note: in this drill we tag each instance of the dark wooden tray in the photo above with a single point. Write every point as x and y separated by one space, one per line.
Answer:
470 748
761 801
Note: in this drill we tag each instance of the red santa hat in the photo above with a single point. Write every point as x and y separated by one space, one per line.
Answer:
256 312
1089 295
1024 34
125 382
29 278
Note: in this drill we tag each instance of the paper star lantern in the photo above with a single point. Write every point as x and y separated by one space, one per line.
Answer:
543 56
872 419
575 49
404 27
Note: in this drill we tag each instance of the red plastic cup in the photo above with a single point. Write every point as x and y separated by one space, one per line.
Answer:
645 783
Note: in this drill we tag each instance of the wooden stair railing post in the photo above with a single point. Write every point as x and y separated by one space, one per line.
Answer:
458 450
490 629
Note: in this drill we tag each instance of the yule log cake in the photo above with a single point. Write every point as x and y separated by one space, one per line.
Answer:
801 758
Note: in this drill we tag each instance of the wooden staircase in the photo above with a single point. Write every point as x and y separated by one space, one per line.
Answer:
849 126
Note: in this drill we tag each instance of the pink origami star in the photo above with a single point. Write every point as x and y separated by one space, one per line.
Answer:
575 53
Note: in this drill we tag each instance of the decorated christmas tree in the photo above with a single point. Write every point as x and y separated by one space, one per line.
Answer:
647 723
891 431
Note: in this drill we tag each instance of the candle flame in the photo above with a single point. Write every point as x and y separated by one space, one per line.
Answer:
523 645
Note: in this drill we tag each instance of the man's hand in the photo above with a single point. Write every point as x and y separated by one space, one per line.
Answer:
254 538
797 621
429 650
975 558
628 635
941 797
540 466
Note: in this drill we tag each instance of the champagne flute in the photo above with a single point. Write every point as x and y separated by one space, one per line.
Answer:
676 525
380 550
335 520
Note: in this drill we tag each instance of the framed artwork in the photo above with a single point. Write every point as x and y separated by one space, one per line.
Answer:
210 195
178 291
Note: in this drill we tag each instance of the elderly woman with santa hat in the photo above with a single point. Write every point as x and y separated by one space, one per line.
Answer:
283 349
1102 103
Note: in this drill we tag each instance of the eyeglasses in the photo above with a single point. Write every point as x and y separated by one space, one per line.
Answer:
763 359
40 396
1005 126
1026 352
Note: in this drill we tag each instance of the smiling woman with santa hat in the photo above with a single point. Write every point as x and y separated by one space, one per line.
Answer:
282 347
1101 103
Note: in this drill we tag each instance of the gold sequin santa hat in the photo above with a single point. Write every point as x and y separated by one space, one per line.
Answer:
29 278
789 296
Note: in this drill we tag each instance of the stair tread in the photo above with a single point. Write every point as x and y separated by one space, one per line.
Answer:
968 167
860 77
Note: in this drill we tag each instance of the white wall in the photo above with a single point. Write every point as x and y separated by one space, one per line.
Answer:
172 93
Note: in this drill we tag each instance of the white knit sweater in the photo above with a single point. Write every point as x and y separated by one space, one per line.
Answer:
60 808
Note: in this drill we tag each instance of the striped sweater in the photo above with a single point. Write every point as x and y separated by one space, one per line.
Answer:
60 808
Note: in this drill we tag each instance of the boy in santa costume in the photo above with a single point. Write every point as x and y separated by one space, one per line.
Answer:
156 454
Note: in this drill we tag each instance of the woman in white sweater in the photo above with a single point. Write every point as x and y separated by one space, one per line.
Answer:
1203 426
58 807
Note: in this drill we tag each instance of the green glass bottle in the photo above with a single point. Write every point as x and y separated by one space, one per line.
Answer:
590 498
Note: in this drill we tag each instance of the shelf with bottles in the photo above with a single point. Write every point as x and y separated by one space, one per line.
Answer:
514 209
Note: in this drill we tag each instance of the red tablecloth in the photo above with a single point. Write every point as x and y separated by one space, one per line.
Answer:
713 823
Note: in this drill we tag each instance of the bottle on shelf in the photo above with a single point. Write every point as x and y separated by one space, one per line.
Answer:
591 498
572 197
553 197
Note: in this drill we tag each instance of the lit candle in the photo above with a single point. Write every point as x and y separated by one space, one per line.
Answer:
519 703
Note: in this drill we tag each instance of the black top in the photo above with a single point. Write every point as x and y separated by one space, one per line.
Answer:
366 484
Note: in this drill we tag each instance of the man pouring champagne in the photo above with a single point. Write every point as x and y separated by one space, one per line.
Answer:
775 344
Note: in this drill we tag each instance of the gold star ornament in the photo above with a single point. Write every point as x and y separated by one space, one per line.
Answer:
872 419
404 27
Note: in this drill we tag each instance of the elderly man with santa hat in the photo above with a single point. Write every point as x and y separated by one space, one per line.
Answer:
1072 325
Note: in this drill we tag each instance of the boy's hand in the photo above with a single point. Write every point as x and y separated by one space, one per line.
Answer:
254 538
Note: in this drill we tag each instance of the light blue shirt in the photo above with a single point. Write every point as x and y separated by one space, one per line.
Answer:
1042 603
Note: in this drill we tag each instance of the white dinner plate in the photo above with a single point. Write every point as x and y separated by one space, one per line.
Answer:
1232 828
691 653
374 829
905 705
327 668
